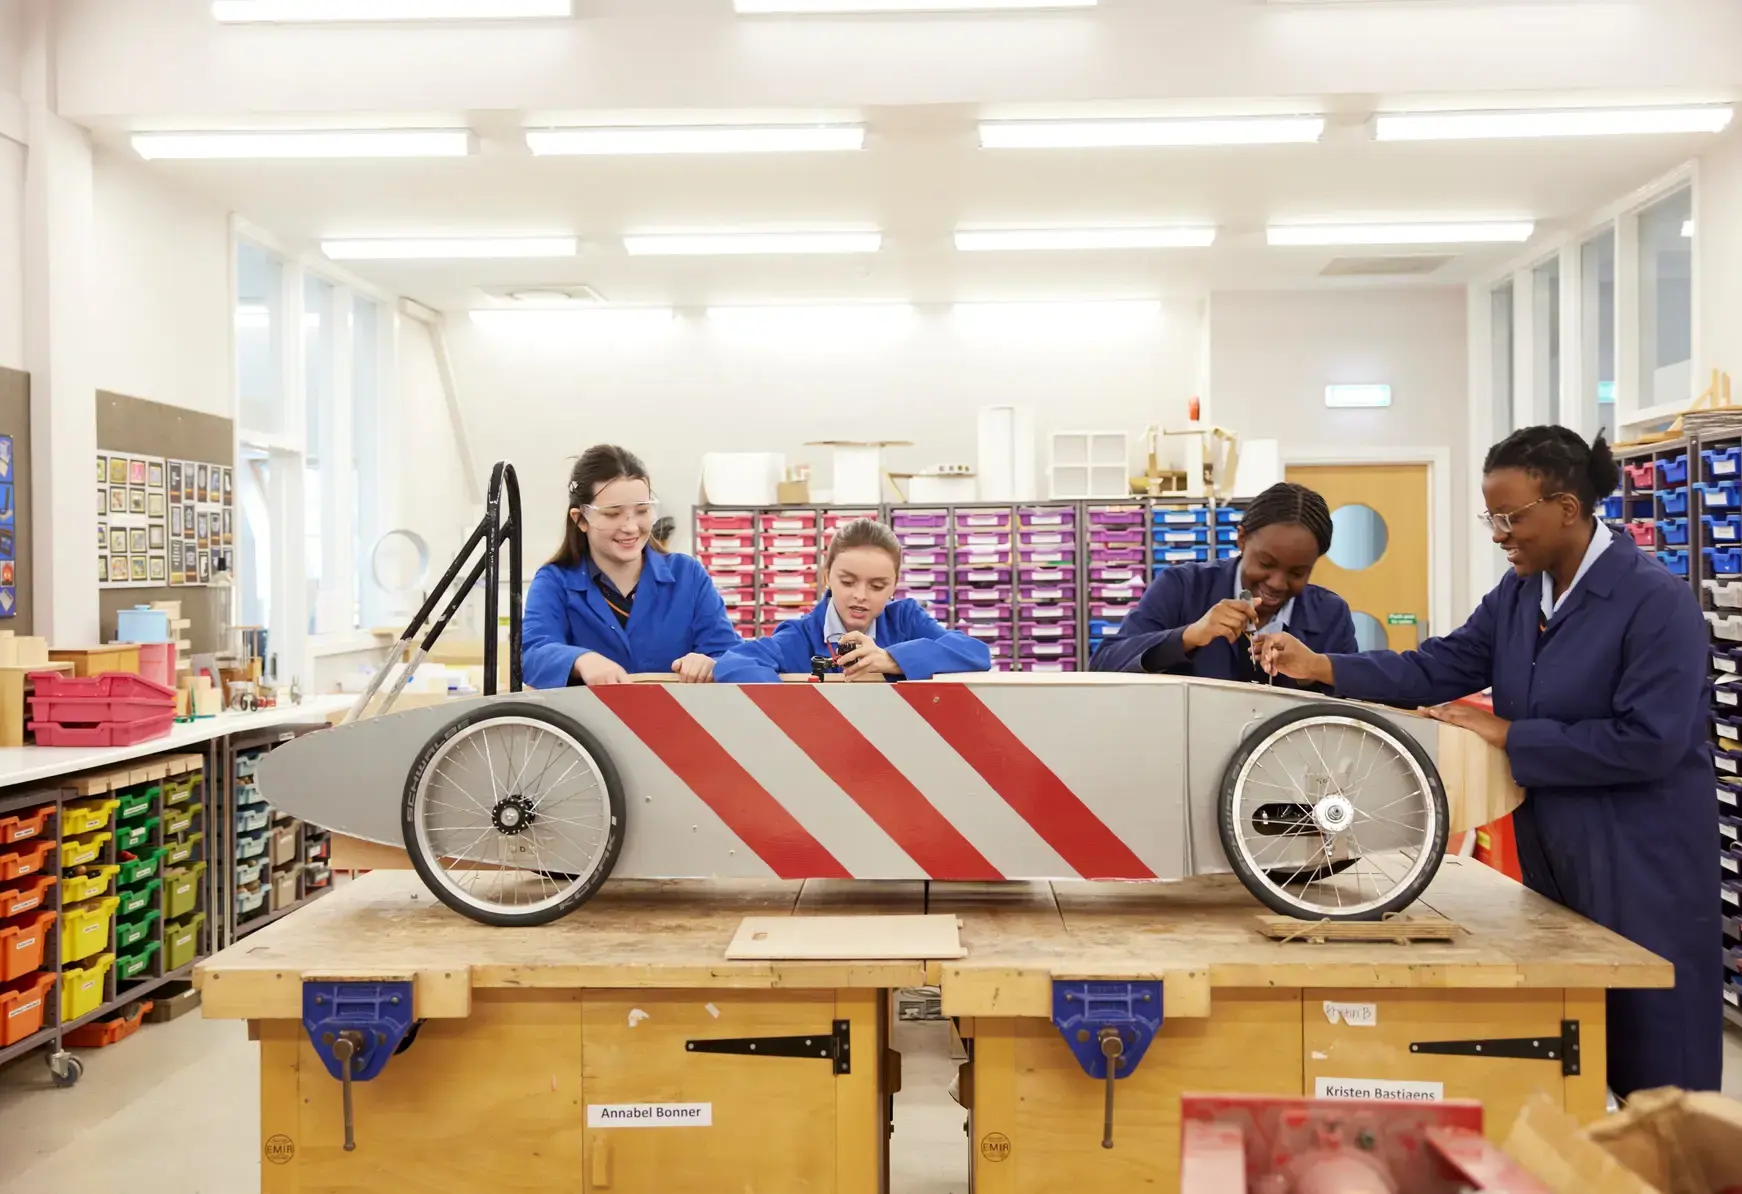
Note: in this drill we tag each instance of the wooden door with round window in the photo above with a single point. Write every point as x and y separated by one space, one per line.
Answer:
1378 560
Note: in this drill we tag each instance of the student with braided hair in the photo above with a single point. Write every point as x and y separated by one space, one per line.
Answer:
1596 657
1201 619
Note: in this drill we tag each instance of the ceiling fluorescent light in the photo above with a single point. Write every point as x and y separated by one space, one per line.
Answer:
1566 122
571 319
654 139
816 7
1019 240
450 249
813 318
1512 232
298 11
1073 316
1122 133
719 244
323 143
1357 397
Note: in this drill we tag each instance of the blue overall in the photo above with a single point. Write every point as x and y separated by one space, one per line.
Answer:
677 612
912 637
1610 708
1149 641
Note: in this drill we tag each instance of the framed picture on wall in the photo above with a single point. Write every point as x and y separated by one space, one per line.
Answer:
200 479
102 568
118 541
155 569
136 540
136 568
175 521
117 470
117 570
175 480
205 569
136 474
228 528
227 478
154 504
175 556
8 571
102 478
154 475
102 536
154 536
118 500
102 499
135 501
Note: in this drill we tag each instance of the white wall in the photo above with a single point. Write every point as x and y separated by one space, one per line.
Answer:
1718 241
431 496
674 393
1272 354
12 160
162 290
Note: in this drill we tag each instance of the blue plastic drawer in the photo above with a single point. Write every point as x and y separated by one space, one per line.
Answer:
1723 561
1229 515
1673 470
1722 462
1181 516
1181 536
1673 530
1675 561
1725 529
1673 501
1613 507
1725 495
1180 555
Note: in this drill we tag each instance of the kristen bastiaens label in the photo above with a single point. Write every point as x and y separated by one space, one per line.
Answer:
650 1115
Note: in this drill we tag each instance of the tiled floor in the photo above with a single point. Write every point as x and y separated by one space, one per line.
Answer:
173 1111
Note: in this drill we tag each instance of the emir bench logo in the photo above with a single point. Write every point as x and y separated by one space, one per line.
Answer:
995 1146
280 1149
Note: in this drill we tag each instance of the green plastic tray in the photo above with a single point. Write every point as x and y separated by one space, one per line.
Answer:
181 890
180 820
142 867
180 851
137 964
130 933
143 896
181 941
133 804
136 834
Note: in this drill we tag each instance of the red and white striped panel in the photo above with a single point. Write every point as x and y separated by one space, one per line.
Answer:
934 781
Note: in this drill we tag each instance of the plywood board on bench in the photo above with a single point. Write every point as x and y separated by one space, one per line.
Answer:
845 938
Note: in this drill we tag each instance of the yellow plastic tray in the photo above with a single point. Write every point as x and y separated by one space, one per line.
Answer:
79 851
93 883
81 987
85 928
87 816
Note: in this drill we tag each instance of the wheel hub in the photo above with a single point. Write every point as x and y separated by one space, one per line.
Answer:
1333 814
512 815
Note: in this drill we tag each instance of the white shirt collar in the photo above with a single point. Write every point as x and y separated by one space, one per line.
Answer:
1278 620
834 628
1600 539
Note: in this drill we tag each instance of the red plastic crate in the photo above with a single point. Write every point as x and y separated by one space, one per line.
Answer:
806 581
118 1027
21 826
805 520
96 700
17 863
742 541
787 541
23 943
16 901
727 561
22 1006
115 685
1643 476
725 522
114 733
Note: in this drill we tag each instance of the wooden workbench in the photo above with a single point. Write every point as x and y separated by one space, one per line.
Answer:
528 1028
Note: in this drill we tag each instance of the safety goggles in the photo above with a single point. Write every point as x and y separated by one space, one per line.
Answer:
1505 522
616 516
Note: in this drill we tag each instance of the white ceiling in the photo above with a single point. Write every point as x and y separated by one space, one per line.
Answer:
129 64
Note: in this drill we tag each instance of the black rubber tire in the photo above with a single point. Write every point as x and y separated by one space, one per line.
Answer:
613 790
1225 811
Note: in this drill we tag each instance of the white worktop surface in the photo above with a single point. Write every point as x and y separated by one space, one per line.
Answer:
33 764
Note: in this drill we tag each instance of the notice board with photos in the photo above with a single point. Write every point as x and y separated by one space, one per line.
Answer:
162 520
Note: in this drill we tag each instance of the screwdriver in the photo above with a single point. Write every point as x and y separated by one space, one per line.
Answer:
1252 631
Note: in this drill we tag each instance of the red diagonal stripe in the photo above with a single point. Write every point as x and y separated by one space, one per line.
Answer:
860 770
708 770
1026 784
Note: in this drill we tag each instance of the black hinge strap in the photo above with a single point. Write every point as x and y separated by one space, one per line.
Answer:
1563 1048
835 1046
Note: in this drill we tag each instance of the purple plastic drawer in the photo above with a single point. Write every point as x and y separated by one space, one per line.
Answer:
1116 516
1049 651
1001 665
1048 665
1049 539
1046 632
1050 557
983 576
1129 593
1047 594
925 578
909 518
982 540
1113 611
985 613
981 559
1049 576
1001 649
989 519
923 539
982 594
924 559
990 633
1055 614
1098 536
1116 555
932 599
1066 518
1120 574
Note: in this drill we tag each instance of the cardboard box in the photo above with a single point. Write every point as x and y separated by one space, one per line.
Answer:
1665 1142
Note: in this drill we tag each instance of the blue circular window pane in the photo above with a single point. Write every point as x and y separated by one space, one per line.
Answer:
1358 537
1370 633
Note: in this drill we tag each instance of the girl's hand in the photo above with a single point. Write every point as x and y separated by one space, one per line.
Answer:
694 669
861 657
1488 726
1282 654
595 669
1225 620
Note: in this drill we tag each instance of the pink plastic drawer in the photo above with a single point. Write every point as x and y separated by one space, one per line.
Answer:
1643 533
1048 518
726 581
790 580
907 519
797 561
736 597
1047 632
115 733
784 521
1117 575
1003 665
713 543
1115 592
110 685
729 521
784 597
924 559
741 613
973 519
1050 666
1111 610
982 559
1047 594
983 576
788 541
1048 539
1098 535
1049 576
833 519
1049 557
1001 649
922 539
989 633
1642 476
1116 555
982 595
1049 613
1049 650
982 541
1116 516
985 613
726 561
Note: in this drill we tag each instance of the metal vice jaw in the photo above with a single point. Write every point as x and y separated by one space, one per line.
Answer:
355 1027
1108 1026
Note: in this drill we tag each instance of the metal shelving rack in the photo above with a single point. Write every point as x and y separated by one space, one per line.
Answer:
232 924
1677 499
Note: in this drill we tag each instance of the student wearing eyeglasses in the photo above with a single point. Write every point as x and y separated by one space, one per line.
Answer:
1597 659
612 602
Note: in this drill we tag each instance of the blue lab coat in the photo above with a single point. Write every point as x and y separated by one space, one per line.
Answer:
1181 595
1610 709
920 646
677 612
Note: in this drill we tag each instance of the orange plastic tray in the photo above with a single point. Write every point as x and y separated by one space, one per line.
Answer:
98 1033
22 943
22 1006
16 864
27 824
16 901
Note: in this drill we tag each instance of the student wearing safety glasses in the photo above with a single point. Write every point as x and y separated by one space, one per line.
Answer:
612 602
